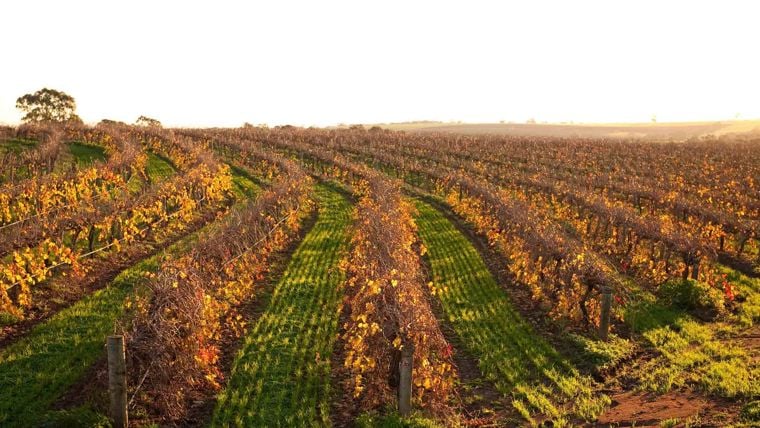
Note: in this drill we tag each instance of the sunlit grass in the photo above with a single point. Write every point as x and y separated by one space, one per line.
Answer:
510 353
77 155
393 420
595 355
16 145
245 185
158 168
748 290
690 352
281 376
86 154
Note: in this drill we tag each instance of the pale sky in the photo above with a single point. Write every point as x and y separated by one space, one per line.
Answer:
222 63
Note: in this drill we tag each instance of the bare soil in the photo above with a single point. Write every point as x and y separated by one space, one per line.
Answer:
643 409
646 409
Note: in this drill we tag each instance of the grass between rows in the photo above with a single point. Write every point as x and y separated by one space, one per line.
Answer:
691 352
688 352
77 154
245 185
158 168
681 351
281 375
86 154
16 145
42 365
510 353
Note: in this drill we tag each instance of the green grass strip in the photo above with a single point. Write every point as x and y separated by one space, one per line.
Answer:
245 185
691 352
158 168
510 353
749 288
16 145
86 154
41 366
281 376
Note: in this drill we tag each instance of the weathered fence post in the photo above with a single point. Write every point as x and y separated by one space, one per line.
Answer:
604 321
405 379
117 380
13 293
695 270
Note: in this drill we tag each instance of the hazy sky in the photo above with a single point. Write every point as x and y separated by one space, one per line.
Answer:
327 62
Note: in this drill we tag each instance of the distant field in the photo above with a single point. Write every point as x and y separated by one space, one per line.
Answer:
656 131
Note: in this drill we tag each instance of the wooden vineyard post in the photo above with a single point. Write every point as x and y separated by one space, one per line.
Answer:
13 292
117 380
695 271
604 321
405 379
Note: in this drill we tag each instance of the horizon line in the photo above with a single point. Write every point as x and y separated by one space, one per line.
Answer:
444 122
